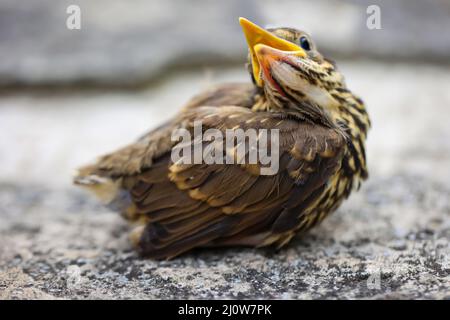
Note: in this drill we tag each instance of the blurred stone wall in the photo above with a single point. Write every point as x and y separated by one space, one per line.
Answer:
129 42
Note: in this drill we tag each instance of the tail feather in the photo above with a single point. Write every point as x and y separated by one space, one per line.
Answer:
105 188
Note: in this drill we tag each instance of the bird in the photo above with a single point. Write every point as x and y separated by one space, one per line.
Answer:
322 127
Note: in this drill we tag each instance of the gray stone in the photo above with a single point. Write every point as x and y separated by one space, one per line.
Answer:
58 244
124 44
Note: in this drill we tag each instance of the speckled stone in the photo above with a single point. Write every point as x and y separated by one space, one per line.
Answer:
381 244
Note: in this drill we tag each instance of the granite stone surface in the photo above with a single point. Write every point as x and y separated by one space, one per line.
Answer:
390 241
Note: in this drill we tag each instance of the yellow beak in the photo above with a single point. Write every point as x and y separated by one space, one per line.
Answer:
256 35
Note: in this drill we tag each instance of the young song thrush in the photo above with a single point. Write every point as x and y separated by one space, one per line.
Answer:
322 128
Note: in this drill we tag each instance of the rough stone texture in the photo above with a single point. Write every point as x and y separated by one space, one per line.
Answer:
124 44
390 240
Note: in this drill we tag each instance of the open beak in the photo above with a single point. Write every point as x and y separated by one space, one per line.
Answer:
261 42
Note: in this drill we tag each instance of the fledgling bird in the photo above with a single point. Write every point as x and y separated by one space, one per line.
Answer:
322 130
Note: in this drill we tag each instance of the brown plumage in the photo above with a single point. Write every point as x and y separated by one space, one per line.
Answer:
322 129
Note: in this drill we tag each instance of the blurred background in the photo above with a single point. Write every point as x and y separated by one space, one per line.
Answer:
67 96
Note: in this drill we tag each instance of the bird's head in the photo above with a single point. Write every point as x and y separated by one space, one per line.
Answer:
285 64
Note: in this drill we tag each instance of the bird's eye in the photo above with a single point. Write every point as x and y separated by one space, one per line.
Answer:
304 43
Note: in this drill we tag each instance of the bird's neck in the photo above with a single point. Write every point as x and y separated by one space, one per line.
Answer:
351 114
262 103
266 101
354 121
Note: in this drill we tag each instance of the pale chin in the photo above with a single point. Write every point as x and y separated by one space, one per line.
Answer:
288 78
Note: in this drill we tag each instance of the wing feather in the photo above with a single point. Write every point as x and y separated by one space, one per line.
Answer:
186 206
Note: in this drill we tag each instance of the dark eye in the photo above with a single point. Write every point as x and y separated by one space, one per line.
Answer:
304 43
